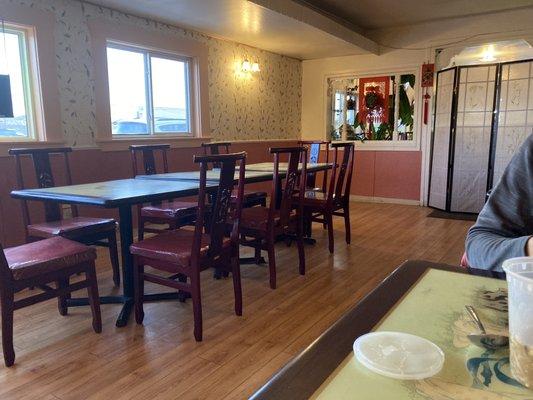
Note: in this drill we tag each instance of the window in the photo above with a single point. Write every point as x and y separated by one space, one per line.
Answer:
16 113
148 91
378 108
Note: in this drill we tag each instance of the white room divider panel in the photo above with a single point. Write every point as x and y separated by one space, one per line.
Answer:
441 139
515 114
470 158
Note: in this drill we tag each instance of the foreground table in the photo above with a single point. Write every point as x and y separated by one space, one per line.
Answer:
422 298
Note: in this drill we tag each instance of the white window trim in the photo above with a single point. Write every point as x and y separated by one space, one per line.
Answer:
40 41
104 32
190 104
385 145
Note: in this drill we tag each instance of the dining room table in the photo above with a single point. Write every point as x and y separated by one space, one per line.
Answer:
421 298
123 194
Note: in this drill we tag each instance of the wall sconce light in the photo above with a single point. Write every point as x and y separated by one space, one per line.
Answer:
247 66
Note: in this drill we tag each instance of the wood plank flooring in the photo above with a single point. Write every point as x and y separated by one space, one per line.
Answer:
61 358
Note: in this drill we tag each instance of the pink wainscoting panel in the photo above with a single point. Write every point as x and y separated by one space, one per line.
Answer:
363 175
397 174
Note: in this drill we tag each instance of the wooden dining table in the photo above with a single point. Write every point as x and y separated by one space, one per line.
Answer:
422 298
122 195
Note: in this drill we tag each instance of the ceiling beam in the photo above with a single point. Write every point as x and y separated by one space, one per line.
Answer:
309 16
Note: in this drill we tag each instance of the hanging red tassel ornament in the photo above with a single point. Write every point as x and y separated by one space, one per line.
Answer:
426 107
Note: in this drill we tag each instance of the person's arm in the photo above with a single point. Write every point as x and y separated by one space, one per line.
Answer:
529 251
504 227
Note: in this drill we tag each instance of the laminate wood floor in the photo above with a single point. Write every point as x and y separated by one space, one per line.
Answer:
61 358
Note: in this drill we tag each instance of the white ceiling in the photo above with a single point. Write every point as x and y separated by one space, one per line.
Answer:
243 22
306 29
377 14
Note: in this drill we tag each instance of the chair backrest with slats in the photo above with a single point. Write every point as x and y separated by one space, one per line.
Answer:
44 176
341 175
222 206
149 158
216 148
294 182
316 148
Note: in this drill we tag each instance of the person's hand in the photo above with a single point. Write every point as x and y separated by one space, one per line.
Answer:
529 247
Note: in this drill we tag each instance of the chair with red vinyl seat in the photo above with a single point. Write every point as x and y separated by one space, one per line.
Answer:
87 230
261 225
174 213
37 264
336 202
184 252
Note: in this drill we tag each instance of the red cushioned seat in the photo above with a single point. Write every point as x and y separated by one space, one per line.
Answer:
72 227
48 255
174 246
170 209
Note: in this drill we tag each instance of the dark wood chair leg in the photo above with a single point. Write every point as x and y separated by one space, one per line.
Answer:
140 229
7 300
182 296
138 282
113 255
347 224
300 243
271 261
329 221
62 300
236 274
94 298
196 304
257 254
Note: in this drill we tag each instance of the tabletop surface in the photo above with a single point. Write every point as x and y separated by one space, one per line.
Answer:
311 372
211 175
269 167
113 193
144 188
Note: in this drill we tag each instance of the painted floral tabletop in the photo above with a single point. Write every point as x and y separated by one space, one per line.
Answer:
434 309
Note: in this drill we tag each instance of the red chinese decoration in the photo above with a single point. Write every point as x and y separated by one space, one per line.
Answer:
373 101
428 72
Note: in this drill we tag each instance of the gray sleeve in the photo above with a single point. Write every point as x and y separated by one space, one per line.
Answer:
505 223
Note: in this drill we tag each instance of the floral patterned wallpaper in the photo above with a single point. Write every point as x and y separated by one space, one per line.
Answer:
266 105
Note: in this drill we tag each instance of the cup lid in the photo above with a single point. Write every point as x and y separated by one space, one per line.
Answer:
398 355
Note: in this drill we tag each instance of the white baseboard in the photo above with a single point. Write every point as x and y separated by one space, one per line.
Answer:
371 199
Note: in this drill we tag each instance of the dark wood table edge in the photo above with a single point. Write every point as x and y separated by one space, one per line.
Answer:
304 374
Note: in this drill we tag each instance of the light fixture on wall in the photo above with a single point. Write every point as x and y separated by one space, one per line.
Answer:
488 54
496 52
247 66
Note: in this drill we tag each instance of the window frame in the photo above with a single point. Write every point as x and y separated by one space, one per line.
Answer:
378 145
148 54
104 31
31 94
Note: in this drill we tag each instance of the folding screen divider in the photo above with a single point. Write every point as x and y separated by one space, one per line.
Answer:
482 115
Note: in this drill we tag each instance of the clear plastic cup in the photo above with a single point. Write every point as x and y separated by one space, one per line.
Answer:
520 281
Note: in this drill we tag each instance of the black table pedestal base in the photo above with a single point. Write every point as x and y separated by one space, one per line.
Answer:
124 314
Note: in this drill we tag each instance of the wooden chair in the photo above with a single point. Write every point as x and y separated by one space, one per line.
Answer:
36 265
264 224
174 213
251 198
315 149
185 252
87 230
323 206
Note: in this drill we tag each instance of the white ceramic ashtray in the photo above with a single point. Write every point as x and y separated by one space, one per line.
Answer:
398 355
